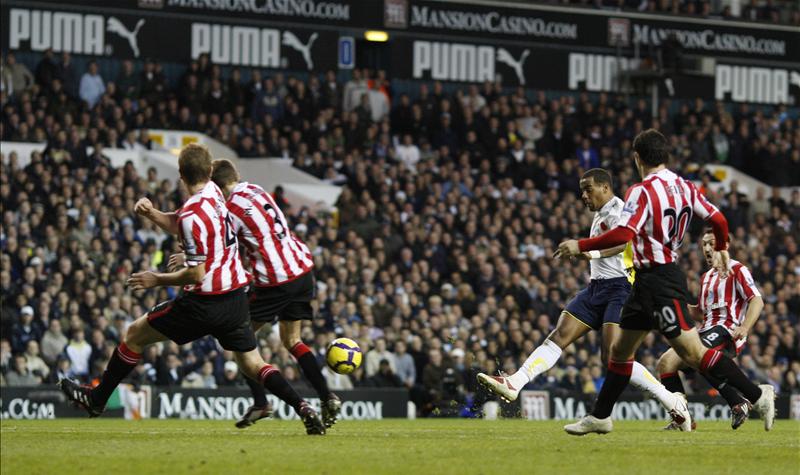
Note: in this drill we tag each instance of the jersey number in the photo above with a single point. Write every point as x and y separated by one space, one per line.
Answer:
277 227
680 221
230 238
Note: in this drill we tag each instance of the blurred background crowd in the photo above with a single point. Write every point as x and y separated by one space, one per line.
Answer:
437 259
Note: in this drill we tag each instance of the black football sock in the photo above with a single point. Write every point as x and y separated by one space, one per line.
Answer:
617 378
277 385
305 358
725 370
673 383
727 391
258 392
119 366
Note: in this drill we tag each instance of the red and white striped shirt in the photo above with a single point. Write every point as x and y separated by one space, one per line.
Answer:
206 232
276 255
723 301
658 210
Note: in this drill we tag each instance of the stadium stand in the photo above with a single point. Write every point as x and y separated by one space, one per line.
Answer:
437 259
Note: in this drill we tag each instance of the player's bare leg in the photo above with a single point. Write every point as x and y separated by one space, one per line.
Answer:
254 367
620 366
290 337
674 403
125 358
260 409
711 362
568 329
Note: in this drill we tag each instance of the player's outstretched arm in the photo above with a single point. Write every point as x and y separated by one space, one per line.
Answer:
166 221
618 236
187 276
610 252
754 307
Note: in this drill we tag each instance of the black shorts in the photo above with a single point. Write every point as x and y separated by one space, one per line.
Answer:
190 317
286 302
658 300
718 338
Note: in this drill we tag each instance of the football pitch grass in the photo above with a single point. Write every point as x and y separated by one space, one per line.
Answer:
418 447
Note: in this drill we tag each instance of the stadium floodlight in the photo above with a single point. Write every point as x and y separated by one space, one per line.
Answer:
376 35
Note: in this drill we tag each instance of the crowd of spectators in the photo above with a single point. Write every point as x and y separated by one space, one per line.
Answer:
437 259
772 11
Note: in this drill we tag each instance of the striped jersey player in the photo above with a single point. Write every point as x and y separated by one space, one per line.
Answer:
284 281
276 255
213 301
728 306
206 233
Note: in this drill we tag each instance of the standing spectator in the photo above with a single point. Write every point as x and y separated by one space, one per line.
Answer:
46 70
92 86
127 82
20 75
79 351
67 75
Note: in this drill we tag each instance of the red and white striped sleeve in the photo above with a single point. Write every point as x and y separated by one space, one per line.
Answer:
635 212
700 205
745 285
192 237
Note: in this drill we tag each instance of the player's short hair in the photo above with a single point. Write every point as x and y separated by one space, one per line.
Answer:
194 164
710 230
224 172
600 176
652 147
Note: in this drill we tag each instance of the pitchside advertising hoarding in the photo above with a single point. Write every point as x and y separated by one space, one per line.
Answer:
361 404
185 403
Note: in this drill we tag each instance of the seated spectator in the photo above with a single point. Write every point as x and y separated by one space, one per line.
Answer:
36 365
384 377
25 330
20 375
376 355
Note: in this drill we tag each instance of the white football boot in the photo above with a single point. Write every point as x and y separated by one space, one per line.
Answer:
680 413
589 424
500 386
766 405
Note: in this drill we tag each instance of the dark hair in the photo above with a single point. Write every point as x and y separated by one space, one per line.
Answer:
600 176
194 164
651 145
224 173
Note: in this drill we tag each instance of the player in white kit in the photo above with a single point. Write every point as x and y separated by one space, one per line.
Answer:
595 307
